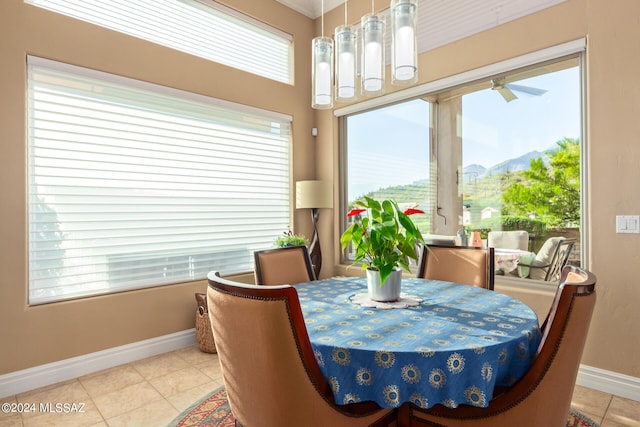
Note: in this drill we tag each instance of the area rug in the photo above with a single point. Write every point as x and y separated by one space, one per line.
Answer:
213 411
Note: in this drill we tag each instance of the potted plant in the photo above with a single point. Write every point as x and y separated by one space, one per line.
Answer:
290 239
384 241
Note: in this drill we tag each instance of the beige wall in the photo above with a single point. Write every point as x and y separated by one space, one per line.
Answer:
612 30
56 331
32 336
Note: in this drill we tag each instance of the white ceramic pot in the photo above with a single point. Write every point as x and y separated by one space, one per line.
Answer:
390 291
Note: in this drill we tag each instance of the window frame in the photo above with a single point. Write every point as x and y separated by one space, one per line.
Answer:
576 48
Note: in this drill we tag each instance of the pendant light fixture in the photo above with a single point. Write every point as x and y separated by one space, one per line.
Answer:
345 39
404 55
372 72
322 70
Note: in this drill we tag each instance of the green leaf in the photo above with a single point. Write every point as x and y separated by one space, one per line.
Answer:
346 237
385 272
384 238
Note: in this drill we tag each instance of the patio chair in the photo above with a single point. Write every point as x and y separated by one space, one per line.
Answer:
518 239
549 261
440 239
269 369
283 266
543 396
460 264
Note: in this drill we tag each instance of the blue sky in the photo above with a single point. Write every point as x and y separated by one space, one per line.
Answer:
494 130
392 142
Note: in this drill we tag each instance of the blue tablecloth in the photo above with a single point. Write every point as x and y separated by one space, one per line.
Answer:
452 349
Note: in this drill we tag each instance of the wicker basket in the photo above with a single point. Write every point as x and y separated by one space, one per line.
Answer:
204 334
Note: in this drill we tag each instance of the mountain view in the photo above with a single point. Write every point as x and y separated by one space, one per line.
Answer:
472 173
518 164
482 184
505 195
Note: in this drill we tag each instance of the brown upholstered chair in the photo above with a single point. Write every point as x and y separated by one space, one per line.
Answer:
269 369
283 266
460 264
543 396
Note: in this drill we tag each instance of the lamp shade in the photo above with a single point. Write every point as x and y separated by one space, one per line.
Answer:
345 39
322 73
404 55
372 64
314 194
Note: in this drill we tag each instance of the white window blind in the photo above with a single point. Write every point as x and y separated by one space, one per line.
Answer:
441 22
445 21
133 185
199 27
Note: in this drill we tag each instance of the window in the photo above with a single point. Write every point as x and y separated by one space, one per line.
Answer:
134 185
202 28
389 156
495 139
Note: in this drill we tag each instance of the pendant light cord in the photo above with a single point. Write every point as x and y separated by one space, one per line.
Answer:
345 12
322 20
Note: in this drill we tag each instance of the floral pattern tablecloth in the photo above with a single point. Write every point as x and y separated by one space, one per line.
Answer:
451 349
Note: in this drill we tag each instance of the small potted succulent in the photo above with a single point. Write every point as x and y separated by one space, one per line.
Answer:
290 239
384 239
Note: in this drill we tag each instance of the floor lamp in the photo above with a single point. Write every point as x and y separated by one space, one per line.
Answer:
314 195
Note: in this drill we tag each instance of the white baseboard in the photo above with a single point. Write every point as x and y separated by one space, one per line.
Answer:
609 382
51 373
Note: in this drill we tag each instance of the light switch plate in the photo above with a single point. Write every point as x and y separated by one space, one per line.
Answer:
628 224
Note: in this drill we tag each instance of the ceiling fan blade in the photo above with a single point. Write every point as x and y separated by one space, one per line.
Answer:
526 89
507 94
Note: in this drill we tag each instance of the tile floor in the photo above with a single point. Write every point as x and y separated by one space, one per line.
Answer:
147 393
152 392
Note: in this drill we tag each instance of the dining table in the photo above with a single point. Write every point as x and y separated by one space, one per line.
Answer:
440 343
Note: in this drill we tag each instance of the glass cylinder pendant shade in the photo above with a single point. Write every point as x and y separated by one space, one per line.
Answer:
322 73
404 55
345 38
372 63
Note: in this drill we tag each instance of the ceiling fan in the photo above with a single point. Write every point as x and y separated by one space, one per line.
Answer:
507 89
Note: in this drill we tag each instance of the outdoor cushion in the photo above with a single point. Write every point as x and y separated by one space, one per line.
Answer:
543 257
523 272
516 239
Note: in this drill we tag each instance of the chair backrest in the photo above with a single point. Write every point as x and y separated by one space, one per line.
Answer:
559 260
460 264
543 396
440 239
283 266
551 259
517 239
268 366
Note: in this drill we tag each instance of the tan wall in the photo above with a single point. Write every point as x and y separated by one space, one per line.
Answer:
32 336
57 331
614 174
613 107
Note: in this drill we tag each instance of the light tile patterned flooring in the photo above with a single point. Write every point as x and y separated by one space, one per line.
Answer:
147 393
152 392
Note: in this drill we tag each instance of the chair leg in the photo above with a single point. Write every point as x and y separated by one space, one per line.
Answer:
390 420
403 419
